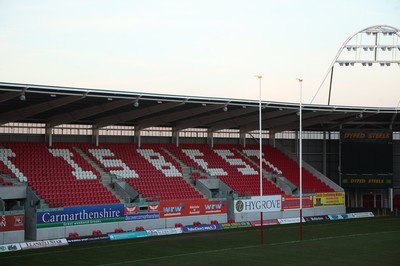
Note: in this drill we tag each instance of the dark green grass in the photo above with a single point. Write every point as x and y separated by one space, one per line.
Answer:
372 241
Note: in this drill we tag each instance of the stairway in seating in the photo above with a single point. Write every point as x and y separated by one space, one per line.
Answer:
59 175
149 170
226 164
186 170
105 177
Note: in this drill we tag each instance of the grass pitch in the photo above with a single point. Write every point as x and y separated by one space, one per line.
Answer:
368 241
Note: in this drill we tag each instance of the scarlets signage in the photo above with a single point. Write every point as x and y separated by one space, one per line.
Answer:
12 222
178 208
131 210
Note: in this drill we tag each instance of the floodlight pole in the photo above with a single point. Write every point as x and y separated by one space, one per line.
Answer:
260 155
301 158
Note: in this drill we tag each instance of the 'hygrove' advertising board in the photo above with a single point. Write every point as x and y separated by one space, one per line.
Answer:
259 204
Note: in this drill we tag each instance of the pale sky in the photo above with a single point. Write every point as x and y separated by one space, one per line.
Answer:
209 48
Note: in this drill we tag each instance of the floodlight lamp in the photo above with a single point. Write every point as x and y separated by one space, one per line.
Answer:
371 48
136 104
354 48
364 64
365 48
369 64
383 48
347 64
387 64
225 108
22 97
340 64
352 63
348 48
382 64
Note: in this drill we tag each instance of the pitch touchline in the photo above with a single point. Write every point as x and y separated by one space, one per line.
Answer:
245 247
157 240
331 237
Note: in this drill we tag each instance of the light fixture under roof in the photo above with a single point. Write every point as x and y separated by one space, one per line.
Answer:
22 97
136 104
225 108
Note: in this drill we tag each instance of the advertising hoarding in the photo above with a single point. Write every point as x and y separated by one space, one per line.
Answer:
180 208
79 215
12 222
259 204
290 202
329 199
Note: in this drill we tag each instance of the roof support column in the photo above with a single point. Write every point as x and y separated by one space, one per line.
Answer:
210 137
242 138
95 135
340 160
137 138
49 135
297 143
175 136
272 138
324 153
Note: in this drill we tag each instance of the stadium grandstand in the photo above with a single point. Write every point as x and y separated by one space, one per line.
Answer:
61 148
78 161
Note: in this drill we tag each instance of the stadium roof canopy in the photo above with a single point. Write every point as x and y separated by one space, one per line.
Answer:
55 106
